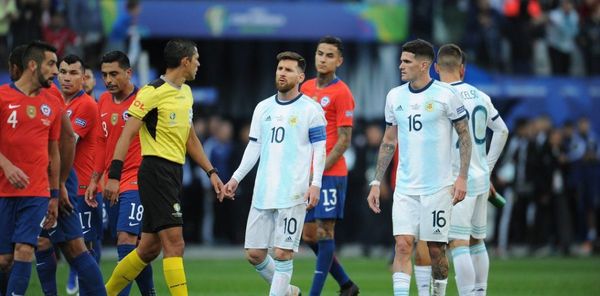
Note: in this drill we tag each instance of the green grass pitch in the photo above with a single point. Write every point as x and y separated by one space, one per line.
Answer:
548 276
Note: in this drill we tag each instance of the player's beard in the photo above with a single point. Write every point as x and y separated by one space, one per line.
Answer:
45 83
284 88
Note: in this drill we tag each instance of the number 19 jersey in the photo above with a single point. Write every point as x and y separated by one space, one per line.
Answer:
424 118
285 131
480 112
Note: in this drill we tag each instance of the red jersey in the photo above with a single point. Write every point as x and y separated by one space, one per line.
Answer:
338 103
27 124
112 120
83 113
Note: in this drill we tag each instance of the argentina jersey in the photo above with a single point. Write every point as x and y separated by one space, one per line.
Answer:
424 119
285 131
480 113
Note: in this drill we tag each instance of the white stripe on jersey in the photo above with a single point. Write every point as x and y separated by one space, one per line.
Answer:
282 130
480 112
424 119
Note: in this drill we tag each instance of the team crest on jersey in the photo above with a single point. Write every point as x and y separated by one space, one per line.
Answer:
177 209
125 115
293 120
325 101
45 110
172 116
31 111
429 106
114 118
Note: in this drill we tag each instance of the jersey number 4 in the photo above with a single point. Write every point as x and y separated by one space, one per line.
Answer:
12 119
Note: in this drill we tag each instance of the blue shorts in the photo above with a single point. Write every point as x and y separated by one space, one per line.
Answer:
332 200
21 219
68 226
90 218
126 215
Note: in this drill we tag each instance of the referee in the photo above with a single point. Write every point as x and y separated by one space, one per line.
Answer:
162 114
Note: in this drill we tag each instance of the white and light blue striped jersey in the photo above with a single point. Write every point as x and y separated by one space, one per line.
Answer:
424 118
285 131
480 112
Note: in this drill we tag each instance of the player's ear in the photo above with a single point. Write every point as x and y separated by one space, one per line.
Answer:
301 78
463 69
32 65
128 72
340 61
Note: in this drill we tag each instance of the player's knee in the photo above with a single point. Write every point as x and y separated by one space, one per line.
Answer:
149 253
403 247
309 233
436 250
475 241
282 254
126 238
6 261
174 248
255 257
326 230
24 252
43 244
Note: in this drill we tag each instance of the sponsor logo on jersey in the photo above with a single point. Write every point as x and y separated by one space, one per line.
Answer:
177 209
415 107
172 116
31 111
437 231
289 239
399 108
80 122
325 101
45 110
349 114
138 105
114 118
45 122
268 118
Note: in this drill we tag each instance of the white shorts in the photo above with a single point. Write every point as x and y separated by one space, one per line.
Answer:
281 228
426 217
469 218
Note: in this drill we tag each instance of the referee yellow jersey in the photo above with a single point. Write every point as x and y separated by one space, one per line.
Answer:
167 115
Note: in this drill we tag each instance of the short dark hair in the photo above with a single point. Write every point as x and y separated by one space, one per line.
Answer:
335 41
420 48
71 59
290 55
450 56
177 49
116 56
15 58
35 51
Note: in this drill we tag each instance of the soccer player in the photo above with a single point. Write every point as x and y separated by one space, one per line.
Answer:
89 81
468 221
162 113
288 134
337 102
420 115
125 217
29 179
75 225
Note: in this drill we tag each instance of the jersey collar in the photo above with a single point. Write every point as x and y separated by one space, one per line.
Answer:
456 83
135 90
416 91
287 102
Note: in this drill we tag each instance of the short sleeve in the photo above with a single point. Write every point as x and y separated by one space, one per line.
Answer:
455 108
85 120
344 105
390 118
255 134
144 102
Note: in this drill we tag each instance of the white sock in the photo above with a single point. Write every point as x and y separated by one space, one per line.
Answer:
481 265
439 287
463 267
266 269
401 283
281 278
423 279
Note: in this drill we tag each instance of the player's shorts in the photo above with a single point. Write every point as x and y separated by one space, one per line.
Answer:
159 183
427 217
68 227
331 201
90 218
21 219
281 228
126 215
469 218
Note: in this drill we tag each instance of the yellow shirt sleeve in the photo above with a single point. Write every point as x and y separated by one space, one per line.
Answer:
145 101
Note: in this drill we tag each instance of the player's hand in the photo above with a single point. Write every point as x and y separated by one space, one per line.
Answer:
492 191
90 194
459 190
311 197
111 191
373 199
16 176
218 187
231 187
64 204
51 215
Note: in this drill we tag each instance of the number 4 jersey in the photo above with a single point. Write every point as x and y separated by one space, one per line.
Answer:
424 118
285 131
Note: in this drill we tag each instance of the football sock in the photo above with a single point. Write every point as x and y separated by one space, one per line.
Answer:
439 287
324 260
19 278
89 275
175 275
481 264
423 279
401 282
46 269
266 269
281 277
336 270
126 271
122 251
463 267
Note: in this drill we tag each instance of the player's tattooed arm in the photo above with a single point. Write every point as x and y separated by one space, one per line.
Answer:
464 139
386 151
343 142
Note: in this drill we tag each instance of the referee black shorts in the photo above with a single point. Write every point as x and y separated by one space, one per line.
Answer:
159 183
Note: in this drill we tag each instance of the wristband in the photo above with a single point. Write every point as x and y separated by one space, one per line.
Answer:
114 172
375 183
212 171
54 193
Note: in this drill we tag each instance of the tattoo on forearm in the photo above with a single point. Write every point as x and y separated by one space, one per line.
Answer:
343 142
386 153
464 138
